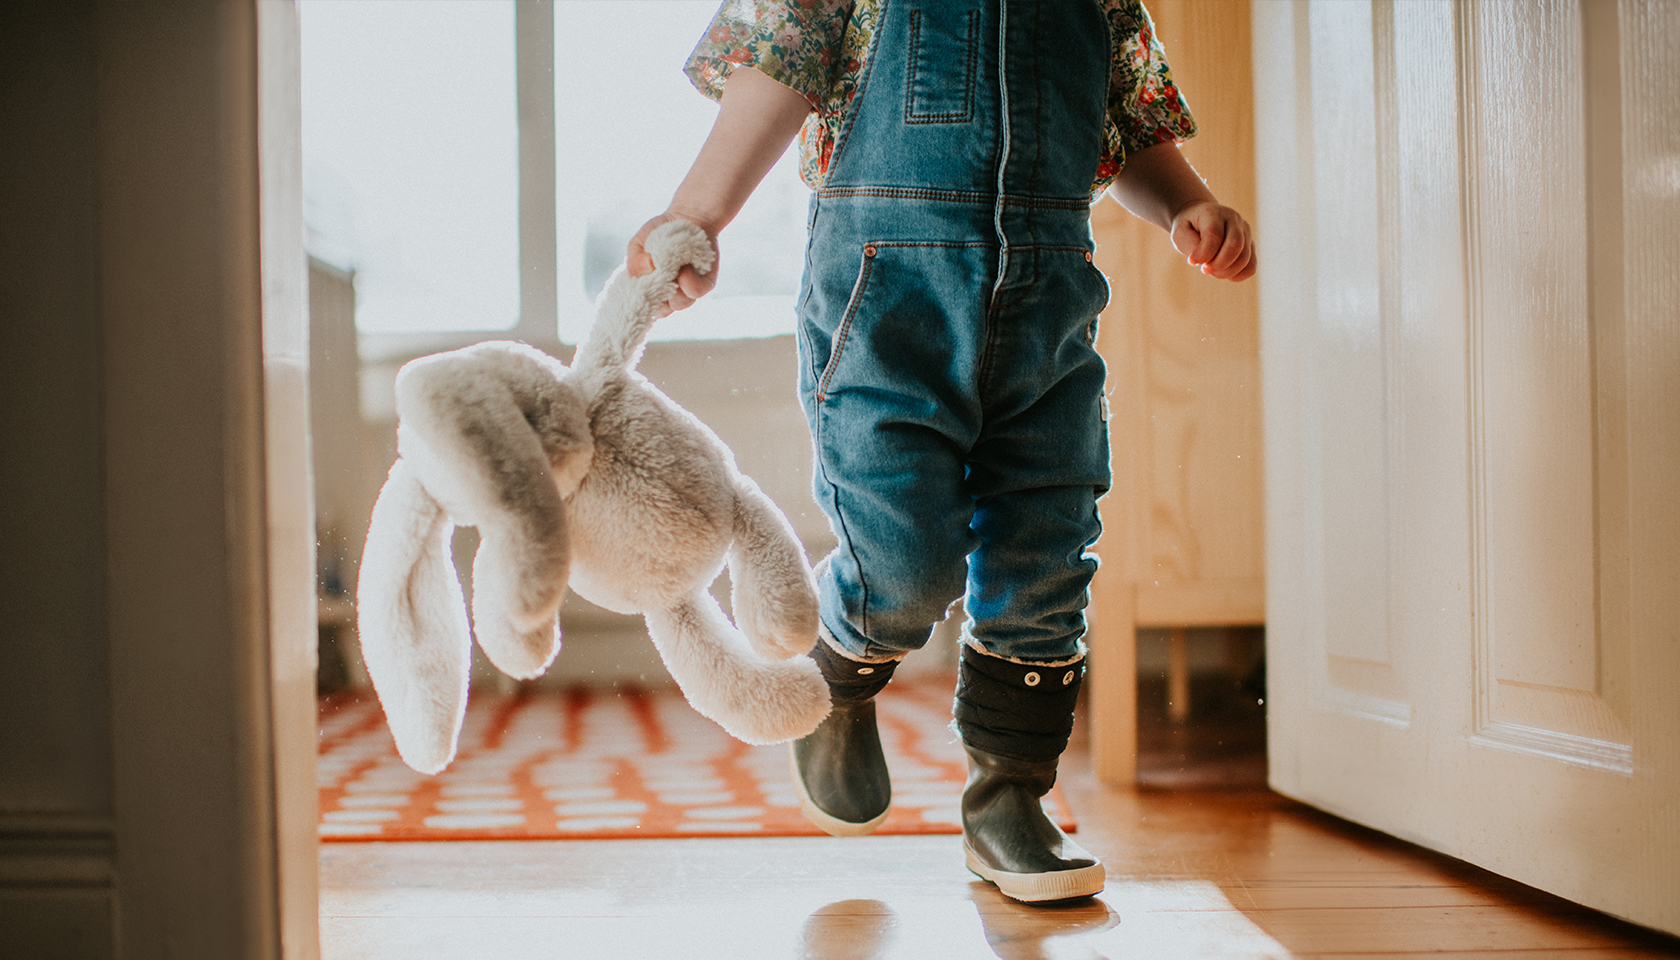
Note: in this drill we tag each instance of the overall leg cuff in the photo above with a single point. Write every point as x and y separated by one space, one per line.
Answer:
851 680
1016 710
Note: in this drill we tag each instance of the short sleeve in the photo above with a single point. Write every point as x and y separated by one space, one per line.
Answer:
794 42
1144 105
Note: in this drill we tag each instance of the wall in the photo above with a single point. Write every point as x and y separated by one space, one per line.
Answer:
143 340
55 741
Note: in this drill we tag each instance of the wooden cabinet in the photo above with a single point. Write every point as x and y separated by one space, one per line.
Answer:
1183 541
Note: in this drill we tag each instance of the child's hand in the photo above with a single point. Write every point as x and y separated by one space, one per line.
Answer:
691 286
1217 239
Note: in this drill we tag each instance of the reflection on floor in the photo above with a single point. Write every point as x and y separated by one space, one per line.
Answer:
1231 872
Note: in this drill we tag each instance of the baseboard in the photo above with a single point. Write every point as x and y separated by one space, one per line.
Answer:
56 886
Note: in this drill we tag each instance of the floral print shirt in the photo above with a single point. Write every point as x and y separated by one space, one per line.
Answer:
818 49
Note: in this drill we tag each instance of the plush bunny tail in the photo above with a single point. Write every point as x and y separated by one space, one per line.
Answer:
412 620
756 700
773 593
624 312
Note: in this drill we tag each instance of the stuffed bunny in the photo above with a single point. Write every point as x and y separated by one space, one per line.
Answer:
588 476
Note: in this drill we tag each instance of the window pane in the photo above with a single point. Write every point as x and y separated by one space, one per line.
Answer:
627 126
410 151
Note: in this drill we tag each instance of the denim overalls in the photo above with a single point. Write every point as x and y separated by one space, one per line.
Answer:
947 320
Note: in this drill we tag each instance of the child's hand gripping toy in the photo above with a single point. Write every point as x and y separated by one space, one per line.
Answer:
588 476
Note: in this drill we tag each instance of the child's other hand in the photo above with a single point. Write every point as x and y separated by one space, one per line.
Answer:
691 285
1217 239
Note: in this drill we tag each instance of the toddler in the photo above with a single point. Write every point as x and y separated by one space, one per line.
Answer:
947 369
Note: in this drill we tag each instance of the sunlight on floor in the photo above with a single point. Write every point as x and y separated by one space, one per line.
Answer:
887 897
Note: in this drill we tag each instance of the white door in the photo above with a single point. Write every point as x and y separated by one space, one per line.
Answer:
1470 309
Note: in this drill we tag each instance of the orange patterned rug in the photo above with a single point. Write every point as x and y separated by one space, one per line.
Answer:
614 764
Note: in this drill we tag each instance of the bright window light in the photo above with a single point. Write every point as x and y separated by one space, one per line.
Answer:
410 150
411 163
627 125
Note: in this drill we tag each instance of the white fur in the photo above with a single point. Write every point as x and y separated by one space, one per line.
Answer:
588 476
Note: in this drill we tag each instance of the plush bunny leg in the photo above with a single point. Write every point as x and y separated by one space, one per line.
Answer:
519 580
412 621
756 700
772 591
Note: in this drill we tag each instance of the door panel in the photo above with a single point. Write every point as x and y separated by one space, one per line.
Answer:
1350 440
1549 437
1470 349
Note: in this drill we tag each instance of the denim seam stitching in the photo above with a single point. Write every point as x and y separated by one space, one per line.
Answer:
909 193
988 351
957 196
1045 203
840 518
942 244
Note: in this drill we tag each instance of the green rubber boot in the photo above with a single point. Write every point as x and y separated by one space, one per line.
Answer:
1015 719
839 770
1009 840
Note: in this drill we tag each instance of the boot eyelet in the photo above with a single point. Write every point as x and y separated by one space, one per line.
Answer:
1067 678
1031 679
865 671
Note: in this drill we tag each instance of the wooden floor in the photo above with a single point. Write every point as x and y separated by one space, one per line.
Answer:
1226 873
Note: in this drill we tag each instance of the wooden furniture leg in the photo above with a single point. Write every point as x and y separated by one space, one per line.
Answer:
1178 674
1111 687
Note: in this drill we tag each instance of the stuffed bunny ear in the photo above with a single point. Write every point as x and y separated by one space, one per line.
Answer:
519 580
500 440
412 620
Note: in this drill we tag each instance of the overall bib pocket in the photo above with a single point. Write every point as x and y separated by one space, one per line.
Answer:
939 85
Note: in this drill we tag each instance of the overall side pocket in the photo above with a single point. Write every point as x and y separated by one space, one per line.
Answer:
837 345
1101 281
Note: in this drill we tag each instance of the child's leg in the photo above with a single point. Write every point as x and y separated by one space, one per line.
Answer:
890 346
892 339
1035 474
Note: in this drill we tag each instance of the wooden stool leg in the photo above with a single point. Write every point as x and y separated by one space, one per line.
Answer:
1178 675
1236 653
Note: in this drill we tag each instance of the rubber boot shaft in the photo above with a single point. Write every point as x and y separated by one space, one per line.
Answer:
839 770
1004 819
1019 710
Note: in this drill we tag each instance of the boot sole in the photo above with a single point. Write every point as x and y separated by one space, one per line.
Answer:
833 826
1039 887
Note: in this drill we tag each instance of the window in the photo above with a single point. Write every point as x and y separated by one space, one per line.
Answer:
411 163
628 125
410 144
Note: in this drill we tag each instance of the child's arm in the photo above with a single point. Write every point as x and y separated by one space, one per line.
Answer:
1158 185
756 121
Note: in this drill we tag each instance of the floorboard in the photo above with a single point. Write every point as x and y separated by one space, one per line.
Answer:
1217 867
